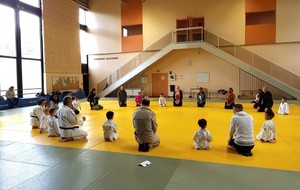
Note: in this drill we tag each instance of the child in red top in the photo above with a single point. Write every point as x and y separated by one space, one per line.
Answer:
138 99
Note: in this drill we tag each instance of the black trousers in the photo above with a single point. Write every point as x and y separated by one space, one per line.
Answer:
244 150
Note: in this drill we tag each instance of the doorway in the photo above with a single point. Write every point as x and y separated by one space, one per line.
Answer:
159 84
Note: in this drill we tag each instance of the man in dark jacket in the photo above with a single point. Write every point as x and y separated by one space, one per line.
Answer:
266 101
122 97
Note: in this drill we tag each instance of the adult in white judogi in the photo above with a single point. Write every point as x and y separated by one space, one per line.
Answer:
37 113
69 123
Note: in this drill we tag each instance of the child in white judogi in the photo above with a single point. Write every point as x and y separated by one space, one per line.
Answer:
283 107
76 105
110 128
44 120
202 138
37 114
162 101
268 130
52 123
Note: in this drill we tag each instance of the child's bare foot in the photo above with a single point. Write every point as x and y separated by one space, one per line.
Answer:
66 139
53 135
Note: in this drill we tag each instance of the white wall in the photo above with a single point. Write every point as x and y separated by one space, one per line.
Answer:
104 27
223 17
285 55
186 63
287 21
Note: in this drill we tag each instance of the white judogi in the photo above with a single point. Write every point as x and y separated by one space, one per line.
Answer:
53 126
36 115
110 130
43 125
76 104
267 131
283 108
202 138
162 101
54 105
68 123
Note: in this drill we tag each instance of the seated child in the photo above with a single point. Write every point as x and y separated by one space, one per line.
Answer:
48 105
76 105
268 130
110 128
283 107
43 120
162 101
257 97
202 137
37 113
138 99
52 123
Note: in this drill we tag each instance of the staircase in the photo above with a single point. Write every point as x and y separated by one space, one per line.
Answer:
198 37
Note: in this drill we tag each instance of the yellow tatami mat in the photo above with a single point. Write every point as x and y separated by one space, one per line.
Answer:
176 127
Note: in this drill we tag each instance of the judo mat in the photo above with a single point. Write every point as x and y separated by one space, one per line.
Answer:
175 164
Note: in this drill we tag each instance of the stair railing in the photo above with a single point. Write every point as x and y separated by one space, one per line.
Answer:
199 34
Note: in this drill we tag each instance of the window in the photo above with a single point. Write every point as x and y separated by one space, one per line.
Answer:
20 46
82 16
31 82
82 19
30 29
83 35
7 33
8 76
35 3
132 30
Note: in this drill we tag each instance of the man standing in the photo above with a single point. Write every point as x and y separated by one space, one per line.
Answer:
145 127
241 126
122 97
265 101
68 122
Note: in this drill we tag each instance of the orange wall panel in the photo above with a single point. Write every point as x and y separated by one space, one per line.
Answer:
132 43
260 5
131 12
259 34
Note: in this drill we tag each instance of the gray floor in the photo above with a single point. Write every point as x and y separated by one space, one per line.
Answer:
29 166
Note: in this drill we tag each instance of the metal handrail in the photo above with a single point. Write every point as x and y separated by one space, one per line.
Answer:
136 61
214 40
38 90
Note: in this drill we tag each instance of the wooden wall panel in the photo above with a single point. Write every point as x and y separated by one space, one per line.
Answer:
260 5
260 34
131 12
132 43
